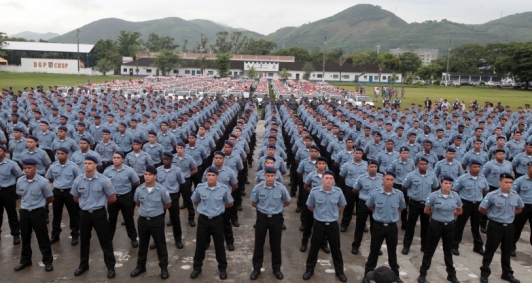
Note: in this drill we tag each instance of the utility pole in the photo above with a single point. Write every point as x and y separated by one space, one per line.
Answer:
324 54
378 48
448 58
201 51
77 36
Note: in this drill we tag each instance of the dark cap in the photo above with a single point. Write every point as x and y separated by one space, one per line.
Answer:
390 173
373 161
81 124
427 141
63 149
321 158
18 129
105 130
474 162
33 138
499 150
151 169
271 146
212 169
404 148
451 149
139 141
192 135
270 170
268 157
230 143
219 153
382 274
446 178
506 176
168 154
328 172
29 161
423 159
121 153
359 149
182 144
315 147
3 147
91 158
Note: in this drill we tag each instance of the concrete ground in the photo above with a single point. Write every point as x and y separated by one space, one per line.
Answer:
66 257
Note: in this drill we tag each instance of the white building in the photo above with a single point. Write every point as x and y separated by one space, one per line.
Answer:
425 54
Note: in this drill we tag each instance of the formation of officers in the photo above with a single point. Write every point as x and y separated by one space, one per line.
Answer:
444 167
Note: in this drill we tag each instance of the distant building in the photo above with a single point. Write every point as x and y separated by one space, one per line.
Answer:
425 54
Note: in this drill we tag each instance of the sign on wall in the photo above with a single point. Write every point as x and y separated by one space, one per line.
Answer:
262 66
59 66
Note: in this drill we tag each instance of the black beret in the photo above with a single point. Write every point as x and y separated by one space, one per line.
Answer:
328 172
451 149
123 124
81 124
404 148
105 130
63 149
427 141
152 133
91 158
423 159
412 134
219 153
182 144
271 146
321 158
212 169
3 147
151 169
33 138
499 150
85 139
121 153
192 135
506 176
18 129
390 173
29 161
268 157
270 170
373 161
230 143
272 137
359 149
167 154
139 141
474 162
446 178
315 147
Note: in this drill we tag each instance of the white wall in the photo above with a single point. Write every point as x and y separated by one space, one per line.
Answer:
25 69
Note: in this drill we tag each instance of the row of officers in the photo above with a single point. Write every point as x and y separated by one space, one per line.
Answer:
93 191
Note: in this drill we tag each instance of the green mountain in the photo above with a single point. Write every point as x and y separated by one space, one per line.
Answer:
175 27
29 35
360 27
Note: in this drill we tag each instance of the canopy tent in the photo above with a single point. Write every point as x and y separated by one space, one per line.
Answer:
3 61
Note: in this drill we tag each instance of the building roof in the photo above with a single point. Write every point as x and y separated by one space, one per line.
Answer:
47 47
291 66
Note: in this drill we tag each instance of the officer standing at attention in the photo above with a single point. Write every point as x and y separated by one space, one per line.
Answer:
472 187
189 168
152 199
326 201
500 206
523 186
211 198
93 191
386 204
442 206
62 174
35 193
124 179
8 197
269 197
401 167
418 185
106 148
138 160
171 177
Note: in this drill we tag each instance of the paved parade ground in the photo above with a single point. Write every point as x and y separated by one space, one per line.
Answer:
66 257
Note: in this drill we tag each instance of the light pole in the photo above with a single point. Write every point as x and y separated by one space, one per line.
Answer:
378 48
77 36
201 52
324 54
448 59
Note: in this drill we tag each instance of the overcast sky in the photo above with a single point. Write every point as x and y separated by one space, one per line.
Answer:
263 16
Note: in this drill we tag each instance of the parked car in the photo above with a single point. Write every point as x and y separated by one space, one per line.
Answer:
493 84
464 83
506 84
357 100
474 83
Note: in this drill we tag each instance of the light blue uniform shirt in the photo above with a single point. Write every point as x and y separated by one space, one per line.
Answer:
45 139
420 186
138 163
92 193
365 184
40 155
67 143
470 188
326 203
493 169
305 167
207 142
17 147
185 163
63 174
78 157
170 178
152 203
386 206
502 208
226 176
122 179
352 170
234 162
523 186
106 150
386 158
372 149
481 156
443 207
260 177
520 162
34 192
431 157
9 172
401 169
197 152
124 141
453 168
270 200
280 165
155 151
212 201
168 140
343 157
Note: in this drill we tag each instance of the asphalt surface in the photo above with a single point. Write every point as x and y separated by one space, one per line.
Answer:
66 257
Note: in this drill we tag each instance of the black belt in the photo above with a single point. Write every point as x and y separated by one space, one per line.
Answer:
30 210
326 223
417 201
123 194
500 224
269 215
210 217
94 210
528 205
62 190
8 187
150 218
468 201
441 223
385 224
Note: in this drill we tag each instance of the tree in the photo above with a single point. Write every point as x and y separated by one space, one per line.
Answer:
284 73
251 73
203 62
223 43
109 50
308 68
409 77
300 54
334 55
200 44
236 43
390 61
362 58
410 62
517 62
467 58
394 78
222 63
184 47
3 38
126 39
166 61
104 66
156 43
259 47
428 72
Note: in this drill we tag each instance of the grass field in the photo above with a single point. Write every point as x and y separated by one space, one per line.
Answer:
20 80
417 95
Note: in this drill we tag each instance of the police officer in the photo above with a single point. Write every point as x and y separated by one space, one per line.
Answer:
500 206
523 187
442 206
520 161
8 197
269 197
62 174
386 204
138 160
152 199
35 193
211 198
189 168
364 185
350 171
93 191
171 177
124 178
325 202
401 167
471 188
449 166
35 153
106 148
418 185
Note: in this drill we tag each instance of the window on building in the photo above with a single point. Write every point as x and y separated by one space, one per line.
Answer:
335 76
210 72
270 74
148 70
187 72
313 75
384 77
345 76
365 77
320 76
241 73
176 71
125 69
